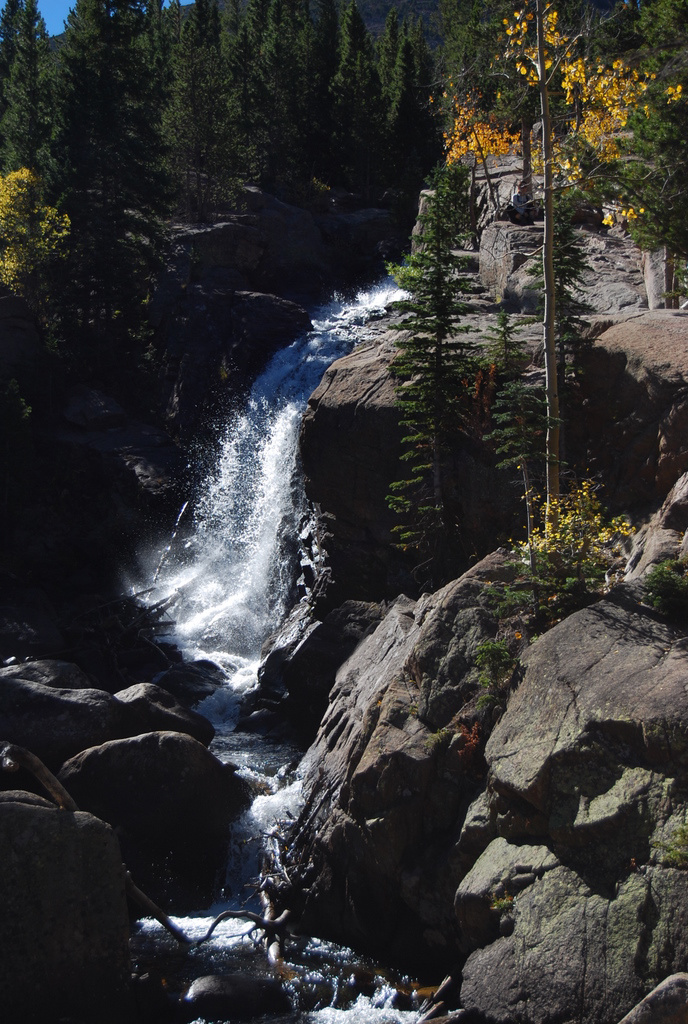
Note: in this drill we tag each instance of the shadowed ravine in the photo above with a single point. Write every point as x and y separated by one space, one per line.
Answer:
232 572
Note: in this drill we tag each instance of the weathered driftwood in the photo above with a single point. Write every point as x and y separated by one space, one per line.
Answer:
435 1005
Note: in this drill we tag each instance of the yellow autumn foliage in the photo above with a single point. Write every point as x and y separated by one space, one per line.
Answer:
480 134
31 233
603 95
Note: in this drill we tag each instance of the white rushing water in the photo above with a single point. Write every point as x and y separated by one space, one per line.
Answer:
233 575
229 573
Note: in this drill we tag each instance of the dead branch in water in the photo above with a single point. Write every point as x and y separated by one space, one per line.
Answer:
13 757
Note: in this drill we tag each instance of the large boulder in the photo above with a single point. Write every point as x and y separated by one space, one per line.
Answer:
49 672
576 950
505 248
64 937
511 265
172 803
234 997
55 722
390 776
589 762
151 708
41 710
162 785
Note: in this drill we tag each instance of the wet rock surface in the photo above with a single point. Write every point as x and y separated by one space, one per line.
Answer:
235 997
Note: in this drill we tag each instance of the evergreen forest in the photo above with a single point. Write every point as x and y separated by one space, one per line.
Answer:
140 116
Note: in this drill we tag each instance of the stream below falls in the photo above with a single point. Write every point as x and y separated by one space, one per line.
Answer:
232 574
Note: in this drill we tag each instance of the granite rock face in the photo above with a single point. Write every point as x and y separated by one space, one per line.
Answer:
391 774
555 835
65 919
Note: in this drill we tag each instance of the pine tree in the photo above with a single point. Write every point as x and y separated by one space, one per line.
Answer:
387 53
413 137
111 171
435 364
358 135
520 415
653 179
504 348
26 126
325 59
197 120
9 30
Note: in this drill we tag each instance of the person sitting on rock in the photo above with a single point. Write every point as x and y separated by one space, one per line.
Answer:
522 209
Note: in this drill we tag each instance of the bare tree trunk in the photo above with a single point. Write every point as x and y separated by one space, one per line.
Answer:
528 493
670 283
551 375
488 179
526 129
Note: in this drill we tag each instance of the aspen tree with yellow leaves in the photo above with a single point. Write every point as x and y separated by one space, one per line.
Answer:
479 133
601 99
31 234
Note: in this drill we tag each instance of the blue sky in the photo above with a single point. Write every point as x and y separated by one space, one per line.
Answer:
55 14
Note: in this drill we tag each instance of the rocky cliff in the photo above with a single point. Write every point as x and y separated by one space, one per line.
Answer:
535 850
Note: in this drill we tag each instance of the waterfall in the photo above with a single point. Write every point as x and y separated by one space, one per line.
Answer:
232 578
230 574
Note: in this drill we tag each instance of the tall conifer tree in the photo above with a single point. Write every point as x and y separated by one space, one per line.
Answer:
26 126
435 364
111 169
358 103
197 118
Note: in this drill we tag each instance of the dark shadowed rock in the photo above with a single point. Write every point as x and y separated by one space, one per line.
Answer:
307 668
217 341
172 803
64 937
234 997
163 785
152 708
41 710
55 723
47 672
192 682
93 410
634 400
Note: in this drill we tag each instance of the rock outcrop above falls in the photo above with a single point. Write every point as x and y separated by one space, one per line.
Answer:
626 422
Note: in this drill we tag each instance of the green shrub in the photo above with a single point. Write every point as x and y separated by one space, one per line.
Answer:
496 665
666 587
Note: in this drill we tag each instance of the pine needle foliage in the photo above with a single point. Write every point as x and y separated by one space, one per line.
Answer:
504 348
435 362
